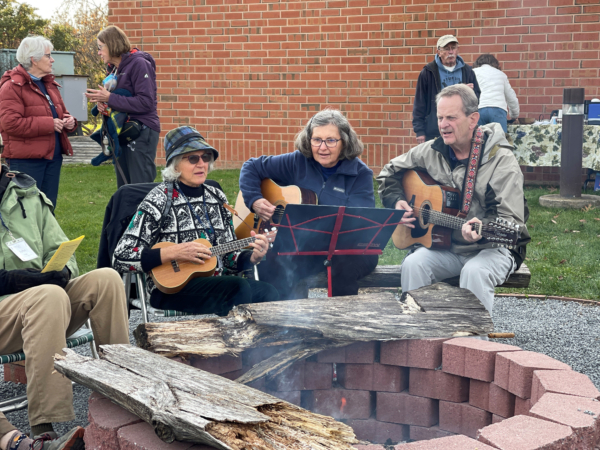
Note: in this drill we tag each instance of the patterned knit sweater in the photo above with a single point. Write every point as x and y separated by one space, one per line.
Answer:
134 251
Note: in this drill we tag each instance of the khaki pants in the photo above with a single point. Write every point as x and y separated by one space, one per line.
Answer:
5 425
38 320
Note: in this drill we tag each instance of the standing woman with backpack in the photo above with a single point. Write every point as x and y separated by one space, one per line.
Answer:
135 71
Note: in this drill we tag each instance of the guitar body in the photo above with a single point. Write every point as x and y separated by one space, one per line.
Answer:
278 196
173 276
422 193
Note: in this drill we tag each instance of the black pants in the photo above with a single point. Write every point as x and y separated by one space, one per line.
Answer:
215 295
284 272
137 159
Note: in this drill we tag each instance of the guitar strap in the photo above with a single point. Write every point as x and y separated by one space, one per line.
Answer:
471 172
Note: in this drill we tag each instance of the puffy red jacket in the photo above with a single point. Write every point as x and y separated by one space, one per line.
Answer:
26 121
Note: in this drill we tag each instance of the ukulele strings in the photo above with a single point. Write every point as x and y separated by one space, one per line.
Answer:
231 246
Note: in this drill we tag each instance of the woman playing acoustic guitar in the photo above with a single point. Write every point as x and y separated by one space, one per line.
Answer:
326 162
195 211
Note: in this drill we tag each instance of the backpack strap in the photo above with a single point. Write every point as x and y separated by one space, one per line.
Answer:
5 178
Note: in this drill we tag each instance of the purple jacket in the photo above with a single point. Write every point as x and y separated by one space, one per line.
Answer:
137 74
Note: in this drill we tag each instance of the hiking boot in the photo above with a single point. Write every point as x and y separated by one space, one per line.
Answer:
72 440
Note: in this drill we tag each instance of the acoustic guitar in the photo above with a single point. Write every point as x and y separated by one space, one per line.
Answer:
436 208
278 196
173 276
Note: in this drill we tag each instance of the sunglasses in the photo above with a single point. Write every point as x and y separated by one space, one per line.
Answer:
193 159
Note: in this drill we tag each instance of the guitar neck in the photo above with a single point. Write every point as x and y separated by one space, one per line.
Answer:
443 219
231 246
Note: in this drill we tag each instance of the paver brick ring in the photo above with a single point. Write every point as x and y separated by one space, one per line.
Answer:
460 393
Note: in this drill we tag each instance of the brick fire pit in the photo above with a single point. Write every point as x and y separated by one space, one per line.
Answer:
452 391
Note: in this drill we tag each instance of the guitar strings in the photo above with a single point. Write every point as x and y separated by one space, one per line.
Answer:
444 219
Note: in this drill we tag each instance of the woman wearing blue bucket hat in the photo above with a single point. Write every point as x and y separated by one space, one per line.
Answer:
196 210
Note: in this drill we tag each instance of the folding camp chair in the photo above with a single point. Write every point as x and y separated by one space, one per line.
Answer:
119 212
82 336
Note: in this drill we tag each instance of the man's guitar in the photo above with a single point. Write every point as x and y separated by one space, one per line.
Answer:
173 276
436 208
279 197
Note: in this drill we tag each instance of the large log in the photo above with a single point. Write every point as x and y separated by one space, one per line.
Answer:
187 404
312 325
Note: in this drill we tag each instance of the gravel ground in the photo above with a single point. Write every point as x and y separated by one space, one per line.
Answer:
567 331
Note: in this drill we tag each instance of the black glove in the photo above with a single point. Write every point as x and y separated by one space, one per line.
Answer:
22 279
62 278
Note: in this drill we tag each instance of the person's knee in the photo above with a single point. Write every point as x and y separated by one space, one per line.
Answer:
51 297
271 294
240 290
105 276
414 263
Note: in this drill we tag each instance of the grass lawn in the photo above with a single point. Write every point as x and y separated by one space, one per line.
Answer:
563 257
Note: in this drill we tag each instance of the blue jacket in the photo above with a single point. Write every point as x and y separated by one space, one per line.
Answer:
351 185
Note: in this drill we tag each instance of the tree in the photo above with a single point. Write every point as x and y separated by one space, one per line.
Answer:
74 28
64 37
17 21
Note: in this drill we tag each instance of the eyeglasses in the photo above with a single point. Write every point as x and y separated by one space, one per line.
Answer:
48 55
330 142
193 159
100 47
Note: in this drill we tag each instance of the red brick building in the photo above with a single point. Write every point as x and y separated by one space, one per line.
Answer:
249 73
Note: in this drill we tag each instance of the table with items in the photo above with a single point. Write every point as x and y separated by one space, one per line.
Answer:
540 145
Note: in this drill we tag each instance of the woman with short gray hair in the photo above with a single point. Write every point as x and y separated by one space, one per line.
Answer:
34 121
326 162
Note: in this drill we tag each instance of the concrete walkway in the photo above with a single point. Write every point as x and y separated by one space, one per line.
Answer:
84 149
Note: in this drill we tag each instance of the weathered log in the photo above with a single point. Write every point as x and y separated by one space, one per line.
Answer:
273 366
312 325
187 404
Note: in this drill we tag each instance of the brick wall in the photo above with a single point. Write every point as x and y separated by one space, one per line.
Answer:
249 73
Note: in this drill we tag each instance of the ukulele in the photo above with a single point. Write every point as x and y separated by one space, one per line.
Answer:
436 208
173 276
279 196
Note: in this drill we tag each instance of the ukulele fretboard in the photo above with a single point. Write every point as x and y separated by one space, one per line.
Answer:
231 246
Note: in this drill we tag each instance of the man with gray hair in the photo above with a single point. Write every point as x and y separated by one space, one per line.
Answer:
447 69
479 162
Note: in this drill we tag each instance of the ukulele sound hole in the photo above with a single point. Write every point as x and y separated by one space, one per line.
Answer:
278 214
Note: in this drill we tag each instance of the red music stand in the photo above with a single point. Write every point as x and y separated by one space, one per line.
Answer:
311 230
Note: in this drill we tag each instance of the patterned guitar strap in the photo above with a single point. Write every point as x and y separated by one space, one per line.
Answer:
471 172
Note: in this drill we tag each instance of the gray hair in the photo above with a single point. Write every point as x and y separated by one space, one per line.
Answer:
352 147
171 174
466 94
33 47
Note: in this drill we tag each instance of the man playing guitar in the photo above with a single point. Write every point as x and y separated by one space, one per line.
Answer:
479 163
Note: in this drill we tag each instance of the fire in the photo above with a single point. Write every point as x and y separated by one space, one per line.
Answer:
343 404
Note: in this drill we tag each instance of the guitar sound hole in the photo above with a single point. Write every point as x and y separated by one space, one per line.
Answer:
278 214
425 210
421 224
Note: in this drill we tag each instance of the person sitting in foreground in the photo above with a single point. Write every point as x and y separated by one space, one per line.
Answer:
196 211
326 162
497 192
39 310
12 439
